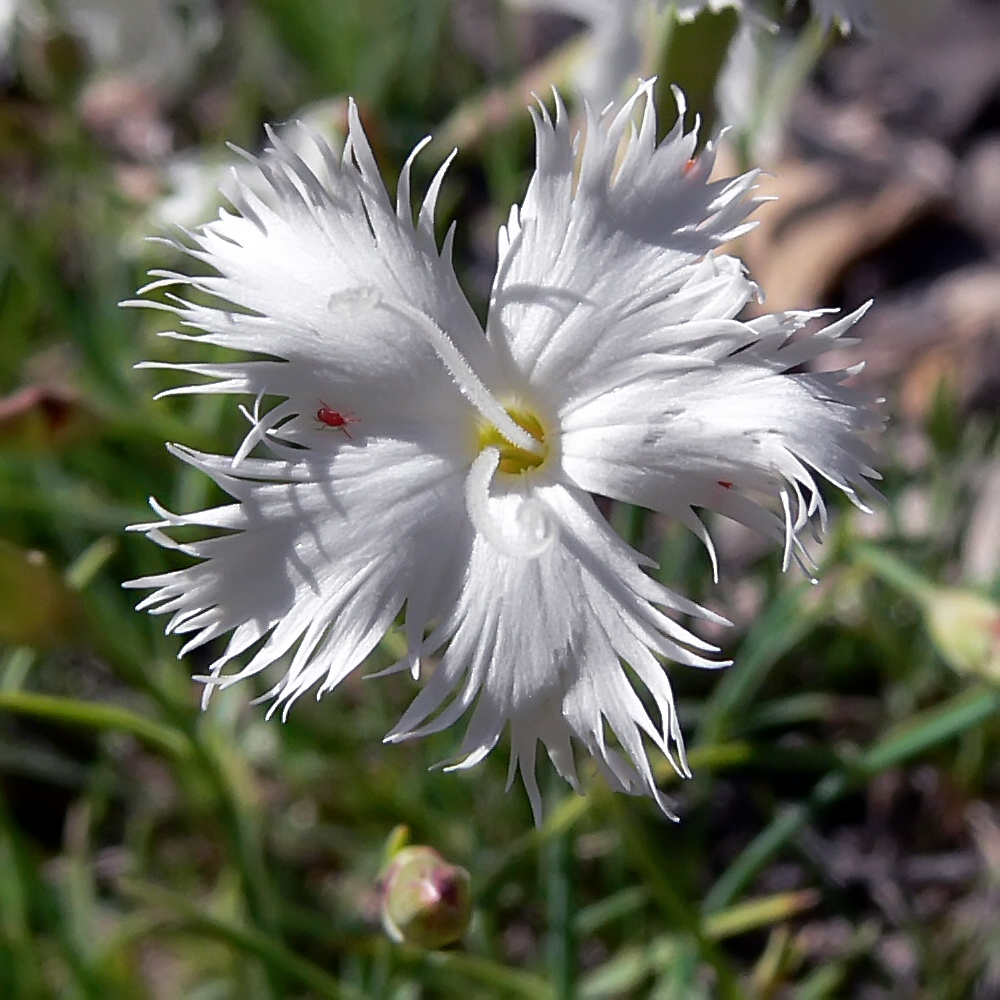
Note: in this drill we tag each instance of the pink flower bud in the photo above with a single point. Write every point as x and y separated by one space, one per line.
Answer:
425 900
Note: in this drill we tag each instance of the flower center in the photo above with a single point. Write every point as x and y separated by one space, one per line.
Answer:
513 459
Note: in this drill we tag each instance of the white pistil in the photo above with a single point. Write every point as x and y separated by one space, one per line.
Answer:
537 529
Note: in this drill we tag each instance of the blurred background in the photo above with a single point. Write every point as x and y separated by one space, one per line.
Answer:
841 836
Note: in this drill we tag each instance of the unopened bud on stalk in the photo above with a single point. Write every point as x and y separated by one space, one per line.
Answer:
425 900
965 627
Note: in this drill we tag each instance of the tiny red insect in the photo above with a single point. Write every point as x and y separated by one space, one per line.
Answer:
331 418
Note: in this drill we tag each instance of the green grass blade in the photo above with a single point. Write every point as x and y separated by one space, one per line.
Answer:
190 916
785 623
931 728
92 715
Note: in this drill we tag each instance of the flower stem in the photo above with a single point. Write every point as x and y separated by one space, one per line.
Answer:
894 572
561 940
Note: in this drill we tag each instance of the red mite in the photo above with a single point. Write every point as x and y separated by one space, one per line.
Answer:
331 418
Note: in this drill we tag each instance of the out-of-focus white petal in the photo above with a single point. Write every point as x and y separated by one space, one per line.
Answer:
151 41
611 57
745 90
881 17
688 10
844 13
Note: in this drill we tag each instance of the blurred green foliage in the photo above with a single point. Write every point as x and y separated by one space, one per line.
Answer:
150 850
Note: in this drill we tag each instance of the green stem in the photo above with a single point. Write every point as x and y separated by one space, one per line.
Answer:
496 977
679 913
774 101
894 572
786 621
560 940
245 838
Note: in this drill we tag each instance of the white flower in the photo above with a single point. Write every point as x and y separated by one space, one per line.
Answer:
414 462
156 42
688 10
613 50
846 14
9 13
864 15
18 18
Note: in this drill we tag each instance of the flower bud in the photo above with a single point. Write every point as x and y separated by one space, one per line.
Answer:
965 627
425 900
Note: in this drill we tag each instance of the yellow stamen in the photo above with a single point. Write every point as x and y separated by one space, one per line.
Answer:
514 460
